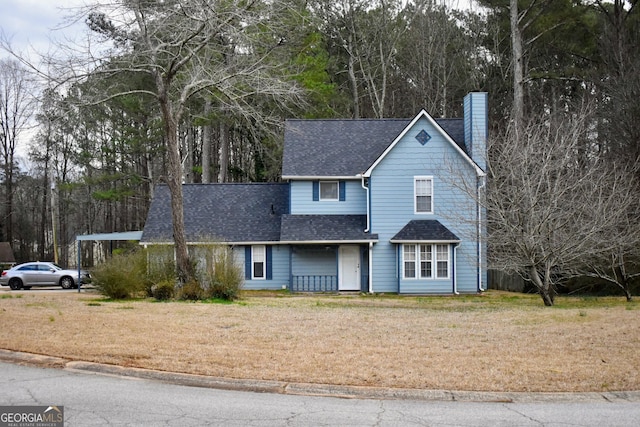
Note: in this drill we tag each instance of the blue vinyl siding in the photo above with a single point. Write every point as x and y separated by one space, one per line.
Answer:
278 268
353 199
392 205
314 261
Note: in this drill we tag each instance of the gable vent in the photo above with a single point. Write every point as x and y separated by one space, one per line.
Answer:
423 137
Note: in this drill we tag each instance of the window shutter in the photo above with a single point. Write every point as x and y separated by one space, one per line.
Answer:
269 258
316 191
247 262
342 189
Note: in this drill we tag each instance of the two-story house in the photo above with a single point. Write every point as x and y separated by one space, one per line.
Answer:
373 205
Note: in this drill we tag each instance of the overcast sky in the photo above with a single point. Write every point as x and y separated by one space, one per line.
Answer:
34 22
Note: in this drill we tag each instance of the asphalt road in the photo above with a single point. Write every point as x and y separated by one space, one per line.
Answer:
95 399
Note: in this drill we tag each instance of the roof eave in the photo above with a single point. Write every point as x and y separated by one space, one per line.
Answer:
423 241
327 242
318 177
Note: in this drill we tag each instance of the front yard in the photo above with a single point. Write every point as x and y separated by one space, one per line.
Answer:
492 342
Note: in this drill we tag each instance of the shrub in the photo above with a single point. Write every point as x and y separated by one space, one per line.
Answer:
191 291
226 278
163 290
161 271
121 277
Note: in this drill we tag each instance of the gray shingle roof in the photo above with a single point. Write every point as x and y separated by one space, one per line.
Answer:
343 148
422 230
324 228
220 212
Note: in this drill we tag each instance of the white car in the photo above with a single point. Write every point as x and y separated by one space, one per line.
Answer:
24 276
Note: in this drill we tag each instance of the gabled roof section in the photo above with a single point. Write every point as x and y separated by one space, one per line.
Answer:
231 213
440 127
424 230
346 148
325 229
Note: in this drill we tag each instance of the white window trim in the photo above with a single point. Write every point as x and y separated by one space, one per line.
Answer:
415 194
415 262
264 262
322 199
434 261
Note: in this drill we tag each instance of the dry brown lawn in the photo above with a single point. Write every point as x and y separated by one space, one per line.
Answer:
490 342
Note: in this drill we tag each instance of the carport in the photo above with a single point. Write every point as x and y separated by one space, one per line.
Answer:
110 237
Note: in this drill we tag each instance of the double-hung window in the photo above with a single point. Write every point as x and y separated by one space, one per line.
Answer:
329 190
409 261
259 261
423 190
425 261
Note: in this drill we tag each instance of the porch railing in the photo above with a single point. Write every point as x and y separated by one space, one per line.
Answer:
314 283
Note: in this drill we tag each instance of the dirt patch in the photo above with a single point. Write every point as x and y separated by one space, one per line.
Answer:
493 342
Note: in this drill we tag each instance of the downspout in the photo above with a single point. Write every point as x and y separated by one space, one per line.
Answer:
366 230
455 270
366 188
370 267
480 186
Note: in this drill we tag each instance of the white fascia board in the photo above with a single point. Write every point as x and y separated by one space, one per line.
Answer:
424 241
328 242
319 178
213 242
426 115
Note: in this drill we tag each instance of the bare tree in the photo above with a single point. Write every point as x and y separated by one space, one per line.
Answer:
618 263
369 33
183 47
16 109
550 201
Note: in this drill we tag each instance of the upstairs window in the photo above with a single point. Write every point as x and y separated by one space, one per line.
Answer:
423 190
329 190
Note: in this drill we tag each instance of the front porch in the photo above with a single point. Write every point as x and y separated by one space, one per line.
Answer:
329 268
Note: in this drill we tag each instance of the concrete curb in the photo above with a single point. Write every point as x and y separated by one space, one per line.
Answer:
325 390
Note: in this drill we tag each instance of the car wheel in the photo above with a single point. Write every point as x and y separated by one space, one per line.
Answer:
15 284
66 282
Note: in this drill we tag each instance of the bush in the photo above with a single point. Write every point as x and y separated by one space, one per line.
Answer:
161 272
226 278
121 277
164 290
191 291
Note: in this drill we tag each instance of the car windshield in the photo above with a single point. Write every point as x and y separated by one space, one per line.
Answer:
56 266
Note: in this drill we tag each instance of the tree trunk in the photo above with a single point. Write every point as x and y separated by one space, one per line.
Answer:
353 82
224 153
8 188
185 269
206 146
622 278
518 73
545 288
188 159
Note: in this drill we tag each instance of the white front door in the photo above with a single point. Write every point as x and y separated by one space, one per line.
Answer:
349 268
